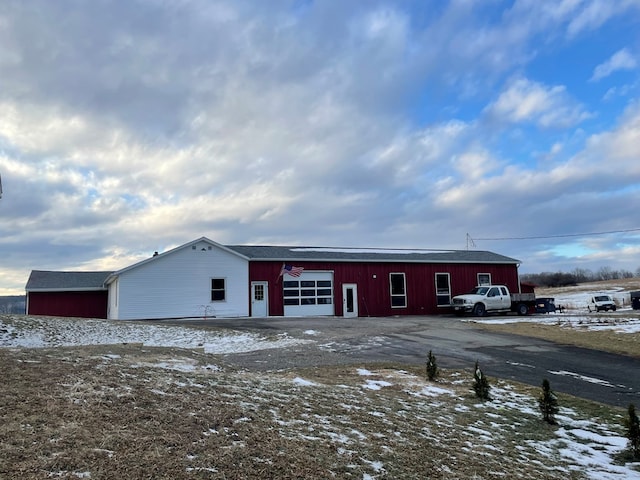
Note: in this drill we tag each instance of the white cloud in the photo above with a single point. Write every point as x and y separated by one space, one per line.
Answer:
621 60
526 101
475 165
246 122
616 151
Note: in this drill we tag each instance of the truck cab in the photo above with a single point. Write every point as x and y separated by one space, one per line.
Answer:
483 299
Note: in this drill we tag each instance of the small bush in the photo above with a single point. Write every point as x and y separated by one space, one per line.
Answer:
548 403
432 367
633 431
481 383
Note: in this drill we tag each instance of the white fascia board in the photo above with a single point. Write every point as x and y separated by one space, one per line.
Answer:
58 290
115 275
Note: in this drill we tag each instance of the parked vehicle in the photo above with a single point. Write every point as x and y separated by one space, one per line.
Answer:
635 300
545 305
493 299
598 303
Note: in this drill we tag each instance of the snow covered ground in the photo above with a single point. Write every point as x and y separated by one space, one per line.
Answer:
37 332
576 315
586 445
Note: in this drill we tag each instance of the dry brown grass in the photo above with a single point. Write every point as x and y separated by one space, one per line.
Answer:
113 412
605 340
624 284
573 329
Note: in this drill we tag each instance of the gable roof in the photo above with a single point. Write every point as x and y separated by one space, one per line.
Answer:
44 280
329 254
156 256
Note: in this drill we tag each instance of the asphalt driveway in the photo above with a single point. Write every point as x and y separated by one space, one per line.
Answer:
591 374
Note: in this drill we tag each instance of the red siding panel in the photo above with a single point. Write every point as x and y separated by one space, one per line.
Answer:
68 304
374 298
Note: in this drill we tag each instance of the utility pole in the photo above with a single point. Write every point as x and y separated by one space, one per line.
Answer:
470 242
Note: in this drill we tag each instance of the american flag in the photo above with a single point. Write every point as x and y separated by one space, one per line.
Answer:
291 270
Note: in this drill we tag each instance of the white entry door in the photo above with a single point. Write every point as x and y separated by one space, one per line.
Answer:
349 300
259 299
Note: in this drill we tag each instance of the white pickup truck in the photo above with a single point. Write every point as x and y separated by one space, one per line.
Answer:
492 299
601 302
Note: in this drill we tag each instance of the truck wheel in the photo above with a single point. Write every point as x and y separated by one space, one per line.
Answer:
613 309
479 310
522 309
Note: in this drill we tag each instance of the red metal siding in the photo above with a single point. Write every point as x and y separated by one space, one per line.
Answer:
68 304
527 288
374 298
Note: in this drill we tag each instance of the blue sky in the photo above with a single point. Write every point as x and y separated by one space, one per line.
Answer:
133 127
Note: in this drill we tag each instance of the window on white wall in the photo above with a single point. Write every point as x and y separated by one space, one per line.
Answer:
398 290
218 291
484 279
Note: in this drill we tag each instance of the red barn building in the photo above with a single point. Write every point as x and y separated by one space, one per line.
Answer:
67 294
204 278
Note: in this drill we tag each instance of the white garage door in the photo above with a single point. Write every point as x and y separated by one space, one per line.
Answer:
308 295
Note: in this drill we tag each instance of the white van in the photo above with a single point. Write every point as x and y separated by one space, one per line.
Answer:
601 302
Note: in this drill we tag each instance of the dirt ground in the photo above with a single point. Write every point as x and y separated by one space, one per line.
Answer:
136 412
131 412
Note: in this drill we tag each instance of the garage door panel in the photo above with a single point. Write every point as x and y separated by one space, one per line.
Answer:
311 294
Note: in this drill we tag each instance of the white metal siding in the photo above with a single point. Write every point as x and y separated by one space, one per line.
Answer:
179 285
112 308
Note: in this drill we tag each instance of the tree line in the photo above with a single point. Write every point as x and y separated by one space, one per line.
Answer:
579 275
12 304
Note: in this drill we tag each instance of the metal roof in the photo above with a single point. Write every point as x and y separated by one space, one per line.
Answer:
331 254
42 280
66 281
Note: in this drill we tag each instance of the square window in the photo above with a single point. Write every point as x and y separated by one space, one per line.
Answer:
218 291
258 293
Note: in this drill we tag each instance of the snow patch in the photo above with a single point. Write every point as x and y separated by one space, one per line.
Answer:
303 382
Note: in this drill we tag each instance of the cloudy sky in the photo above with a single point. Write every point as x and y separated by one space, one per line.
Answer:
128 127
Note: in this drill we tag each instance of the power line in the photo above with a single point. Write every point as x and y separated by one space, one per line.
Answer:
568 235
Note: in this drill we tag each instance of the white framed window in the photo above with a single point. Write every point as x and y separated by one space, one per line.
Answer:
398 288
218 290
258 292
307 292
443 289
484 279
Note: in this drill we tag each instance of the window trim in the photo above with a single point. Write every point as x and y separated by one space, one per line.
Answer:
223 289
402 295
479 284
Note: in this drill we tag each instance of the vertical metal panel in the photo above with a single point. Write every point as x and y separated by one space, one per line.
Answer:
68 304
373 283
